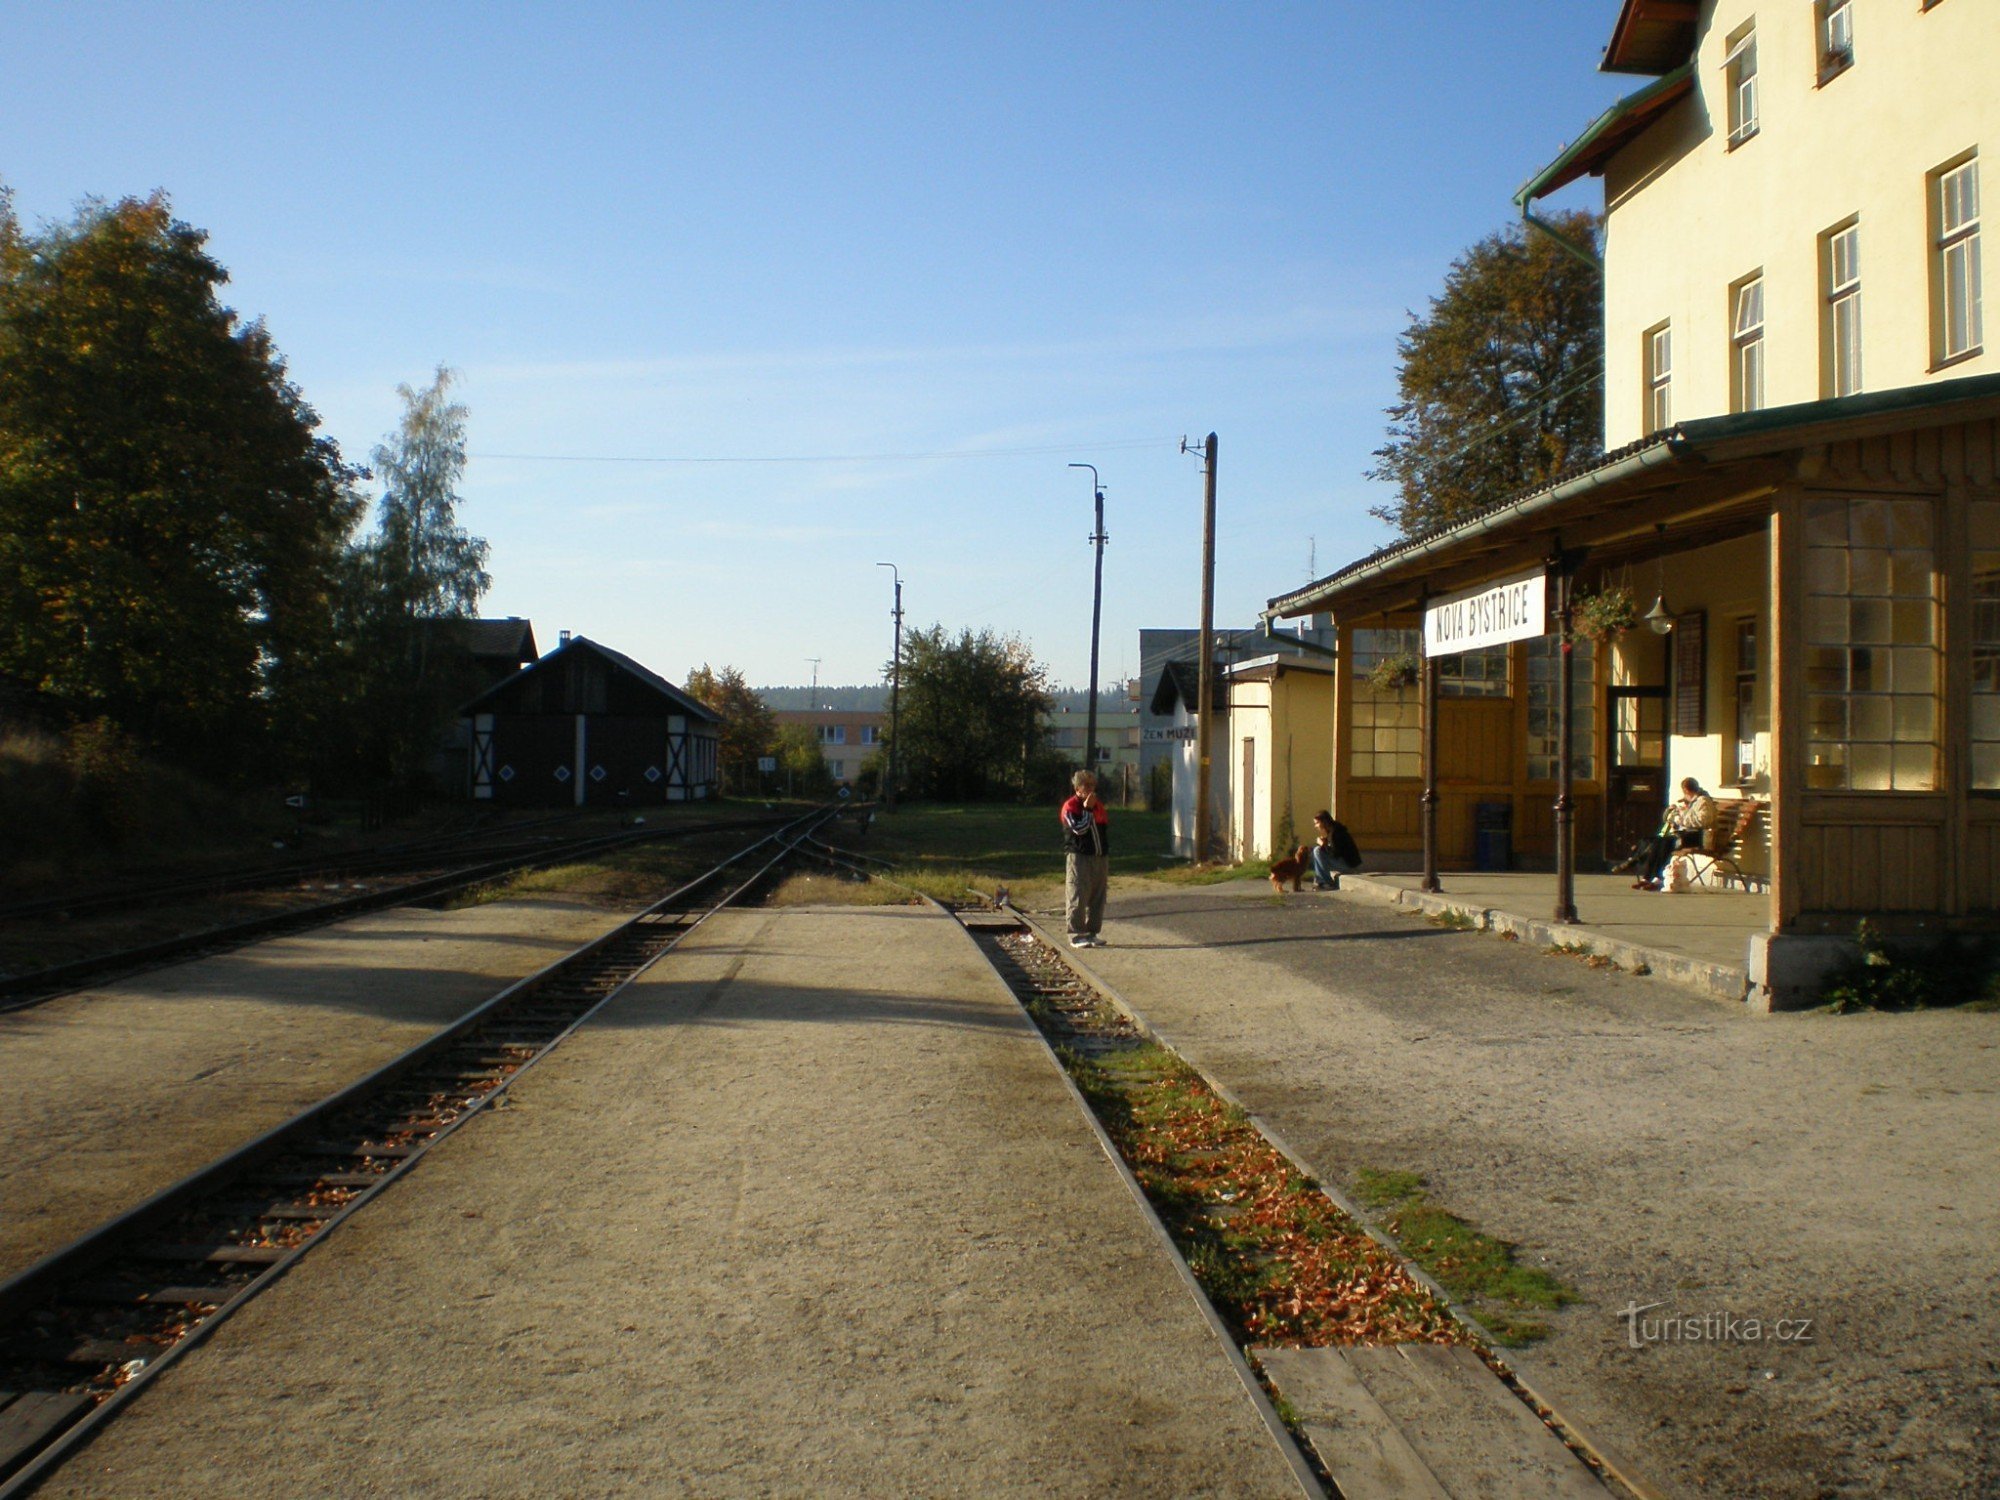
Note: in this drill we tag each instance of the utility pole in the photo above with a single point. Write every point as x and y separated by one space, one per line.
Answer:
1098 539
895 687
1205 710
815 660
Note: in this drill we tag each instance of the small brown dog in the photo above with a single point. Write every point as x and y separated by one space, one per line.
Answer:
1293 868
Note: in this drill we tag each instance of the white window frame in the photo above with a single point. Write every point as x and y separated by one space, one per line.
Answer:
1739 68
1841 330
1955 218
1835 37
1659 356
1746 342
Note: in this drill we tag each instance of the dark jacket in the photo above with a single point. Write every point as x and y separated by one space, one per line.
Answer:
1085 832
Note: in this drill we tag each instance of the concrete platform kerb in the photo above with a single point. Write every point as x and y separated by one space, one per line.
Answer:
1718 981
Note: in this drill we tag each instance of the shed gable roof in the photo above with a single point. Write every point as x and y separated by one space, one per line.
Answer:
685 702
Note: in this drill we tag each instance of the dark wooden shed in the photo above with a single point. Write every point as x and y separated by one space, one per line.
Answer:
587 726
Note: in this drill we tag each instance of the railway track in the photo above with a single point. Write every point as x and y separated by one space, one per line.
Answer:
32 987
83 1331
382 859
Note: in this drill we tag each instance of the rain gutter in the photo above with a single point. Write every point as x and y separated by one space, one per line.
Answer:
1671 448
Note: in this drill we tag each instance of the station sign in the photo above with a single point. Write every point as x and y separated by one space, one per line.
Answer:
1514 609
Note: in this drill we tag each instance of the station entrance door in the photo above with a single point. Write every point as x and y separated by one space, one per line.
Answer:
1635 788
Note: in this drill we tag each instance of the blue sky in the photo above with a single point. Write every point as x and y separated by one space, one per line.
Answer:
953 247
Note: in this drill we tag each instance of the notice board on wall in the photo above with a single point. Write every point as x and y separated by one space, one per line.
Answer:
1690 672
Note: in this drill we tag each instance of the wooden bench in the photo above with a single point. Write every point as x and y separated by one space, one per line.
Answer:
1718 862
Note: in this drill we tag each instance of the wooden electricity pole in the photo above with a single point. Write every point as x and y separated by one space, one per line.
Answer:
1205 709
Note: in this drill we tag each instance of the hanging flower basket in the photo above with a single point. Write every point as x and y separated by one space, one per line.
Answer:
1393 673
1604 615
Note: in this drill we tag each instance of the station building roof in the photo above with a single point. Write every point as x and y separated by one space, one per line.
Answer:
1621 495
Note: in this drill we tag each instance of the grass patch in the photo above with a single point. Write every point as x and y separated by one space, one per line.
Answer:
1181 873
818 888
1479 1270
1454 919
619 878
944 849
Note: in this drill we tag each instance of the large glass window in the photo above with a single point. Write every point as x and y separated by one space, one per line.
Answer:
1387 723
1956 212
1474 674
1544 715
1840 327
1871 646
1986 645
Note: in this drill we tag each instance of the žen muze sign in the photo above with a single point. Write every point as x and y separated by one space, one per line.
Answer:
1514 609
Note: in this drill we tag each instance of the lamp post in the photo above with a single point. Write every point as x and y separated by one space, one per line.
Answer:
1097 539
895 687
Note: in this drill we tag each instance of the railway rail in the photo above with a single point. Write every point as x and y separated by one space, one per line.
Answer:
32 987
87 1328
256 876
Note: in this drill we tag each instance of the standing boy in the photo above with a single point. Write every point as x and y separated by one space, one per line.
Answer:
1086 824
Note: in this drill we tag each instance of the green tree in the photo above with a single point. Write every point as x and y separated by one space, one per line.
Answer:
972 719
171 520
747 726
1501 382
801 767
406 584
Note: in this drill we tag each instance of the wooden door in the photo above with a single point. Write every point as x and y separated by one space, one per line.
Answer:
1249 821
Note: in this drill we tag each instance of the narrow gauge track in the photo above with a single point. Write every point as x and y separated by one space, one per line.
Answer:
219 882
19 991
84 1330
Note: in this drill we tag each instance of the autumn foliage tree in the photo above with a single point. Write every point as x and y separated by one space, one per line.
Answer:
171 519
1501 381
748 730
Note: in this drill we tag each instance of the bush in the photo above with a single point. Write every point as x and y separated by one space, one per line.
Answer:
1904 977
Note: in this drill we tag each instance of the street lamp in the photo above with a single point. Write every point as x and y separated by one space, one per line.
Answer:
895 687
1097 538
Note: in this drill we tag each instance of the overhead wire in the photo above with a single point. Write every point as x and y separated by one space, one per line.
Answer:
1121 444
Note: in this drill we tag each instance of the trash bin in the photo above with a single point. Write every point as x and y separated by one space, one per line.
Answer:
1492 835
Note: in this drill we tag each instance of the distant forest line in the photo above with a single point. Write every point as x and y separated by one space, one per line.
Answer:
874 698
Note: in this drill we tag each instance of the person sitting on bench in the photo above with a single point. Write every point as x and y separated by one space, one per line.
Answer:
1685 826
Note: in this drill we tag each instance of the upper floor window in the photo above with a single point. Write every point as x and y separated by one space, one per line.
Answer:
1746 375
1739 67
1659 378
871 734
1836 37
1955 226
1840 326
833 734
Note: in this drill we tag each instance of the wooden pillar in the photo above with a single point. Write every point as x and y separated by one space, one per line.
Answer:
1430 797
1788 704
1565 820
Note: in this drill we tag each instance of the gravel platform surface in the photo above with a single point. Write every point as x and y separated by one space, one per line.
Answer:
110 1094
1650 1147
808 1211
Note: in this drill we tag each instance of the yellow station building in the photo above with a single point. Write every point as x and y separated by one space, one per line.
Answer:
1802 423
